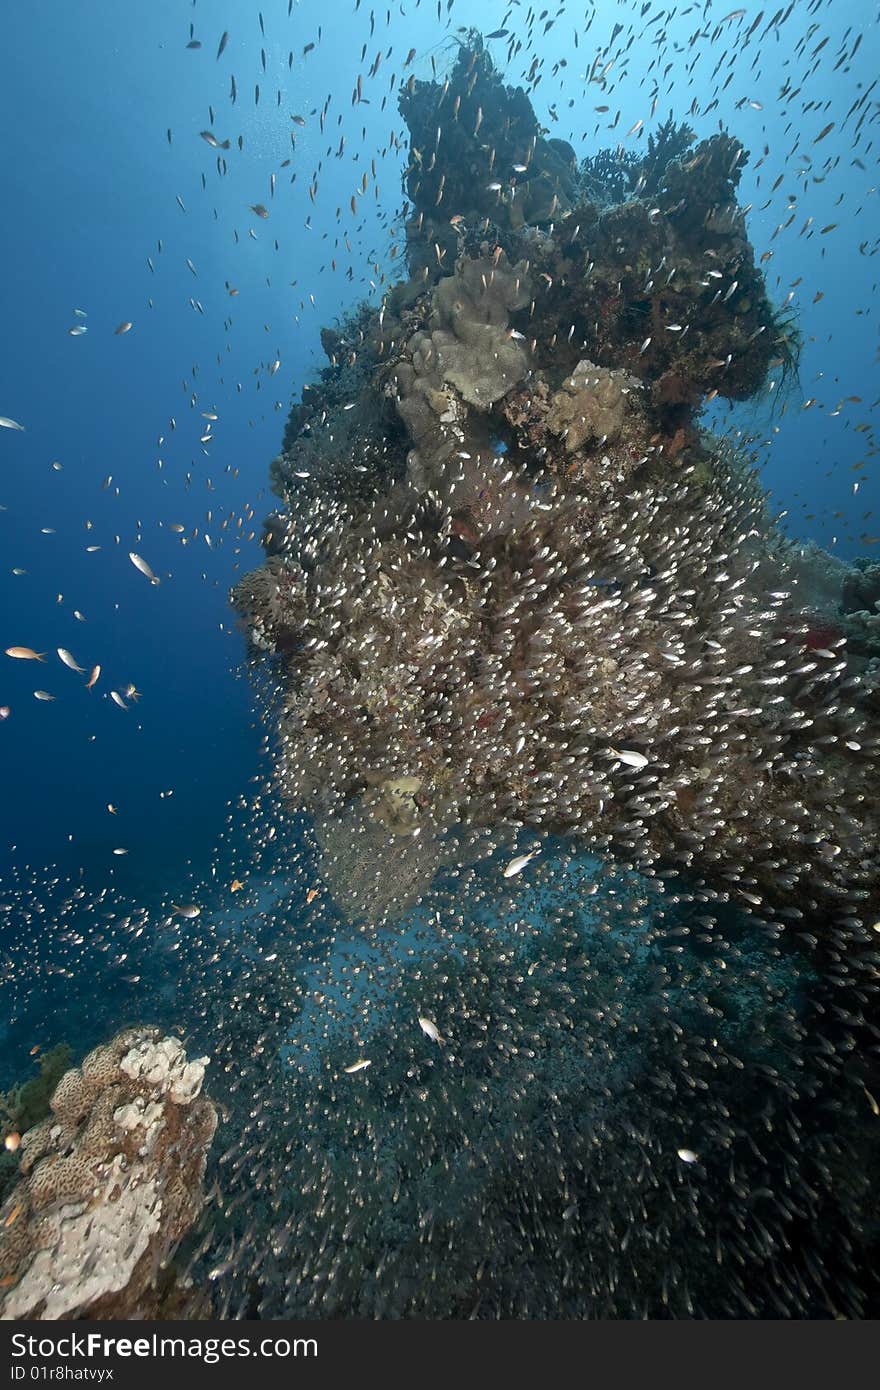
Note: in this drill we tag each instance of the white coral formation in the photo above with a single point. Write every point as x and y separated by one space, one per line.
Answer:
162 1064
92 1253
112 1179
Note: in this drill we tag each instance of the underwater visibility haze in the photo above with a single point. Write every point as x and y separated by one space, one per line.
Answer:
440 686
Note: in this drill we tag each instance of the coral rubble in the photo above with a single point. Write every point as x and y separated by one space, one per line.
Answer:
111 1180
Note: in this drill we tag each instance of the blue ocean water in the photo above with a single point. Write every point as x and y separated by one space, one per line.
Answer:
156 441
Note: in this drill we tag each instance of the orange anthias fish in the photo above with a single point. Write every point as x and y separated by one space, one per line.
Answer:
25 654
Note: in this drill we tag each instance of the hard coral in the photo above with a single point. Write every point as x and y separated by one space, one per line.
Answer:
112 1183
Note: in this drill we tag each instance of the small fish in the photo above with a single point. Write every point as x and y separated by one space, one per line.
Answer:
120 851
69 661
10 1144
25 654
190 911
312 894
211 139
124 327
630 757
5 711
360 1066
259 210
430 1030
117 699
43 695
7 424
517 865
687 1155
298 120
144 568
92 680
236 885
77 330
224 39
